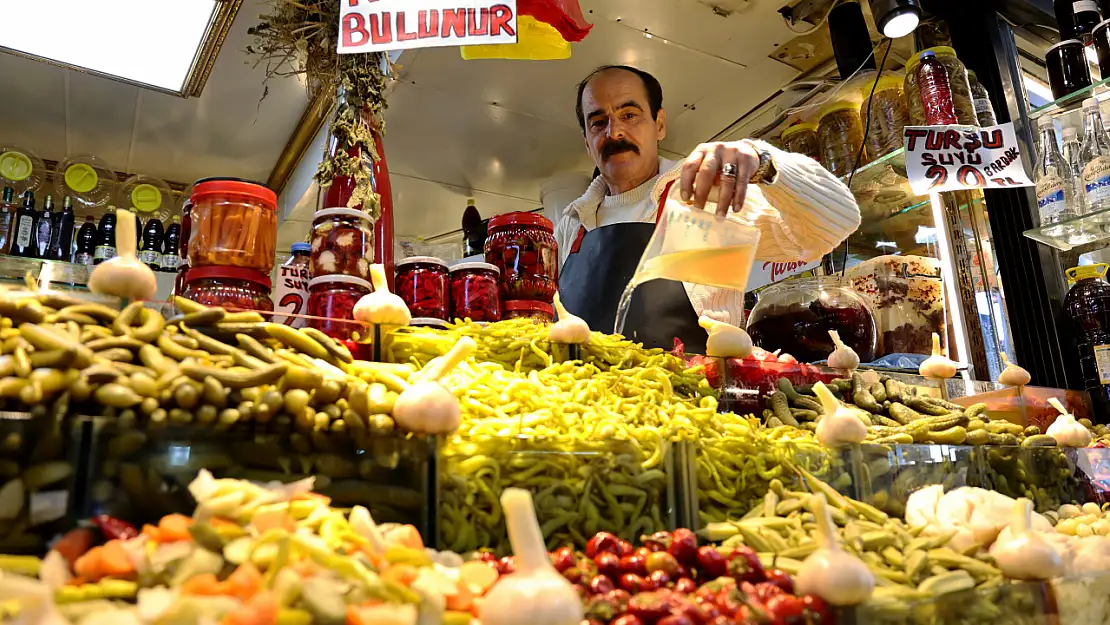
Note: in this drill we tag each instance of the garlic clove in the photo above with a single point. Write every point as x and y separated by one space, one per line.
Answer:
843 356
1022 553
569 329
838 577
1067 431
427 406
839 425
381 307
124 276
1012 375
937 366
725 340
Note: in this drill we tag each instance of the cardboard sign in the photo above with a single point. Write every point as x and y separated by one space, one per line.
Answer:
765 273
291 295
379 25
950 158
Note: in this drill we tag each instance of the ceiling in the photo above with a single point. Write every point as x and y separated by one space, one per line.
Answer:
492 130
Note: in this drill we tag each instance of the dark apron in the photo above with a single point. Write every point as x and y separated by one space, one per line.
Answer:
597 271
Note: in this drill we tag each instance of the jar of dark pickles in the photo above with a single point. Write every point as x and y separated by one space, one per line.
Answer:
801 139
840 135
422 283
531 309
474 291
522 246
331 304
884 113
229 287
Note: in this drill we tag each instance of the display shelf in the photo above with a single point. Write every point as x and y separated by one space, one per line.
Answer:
883 191
1092 229
1070 101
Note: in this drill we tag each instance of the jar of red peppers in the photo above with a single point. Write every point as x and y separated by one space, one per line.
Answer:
342 243
474 292
229 287
522 246
422 284
539 311
331 304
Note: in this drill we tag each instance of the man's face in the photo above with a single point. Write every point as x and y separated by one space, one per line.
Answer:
621 136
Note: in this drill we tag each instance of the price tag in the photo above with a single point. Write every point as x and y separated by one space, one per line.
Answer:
291 295
379 25
951 158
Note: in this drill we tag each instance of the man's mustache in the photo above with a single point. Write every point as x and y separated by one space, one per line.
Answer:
612 148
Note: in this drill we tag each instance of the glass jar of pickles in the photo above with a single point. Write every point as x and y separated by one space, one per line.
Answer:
422 284
801 139
331 304
233 224
342 243
229 287
475 292
884 111
840 136
522 246
531 309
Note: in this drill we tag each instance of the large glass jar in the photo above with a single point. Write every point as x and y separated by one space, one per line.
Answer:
229 287
957 78
531 309
906 294
331 303
522 246
840 136
474 292
234 224
422 284
795 316
801 139
1087 308
342 243
888 115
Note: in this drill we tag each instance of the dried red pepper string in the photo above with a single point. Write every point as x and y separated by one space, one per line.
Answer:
113 528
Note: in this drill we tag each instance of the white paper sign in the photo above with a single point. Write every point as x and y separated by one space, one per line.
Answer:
950 158
379 25
764 273
291 295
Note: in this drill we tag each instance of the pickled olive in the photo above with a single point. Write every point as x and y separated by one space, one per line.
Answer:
295 401
246 410
305 419
250 394
339 351
332 411
382 423
96 311
272 399
228 417
22 362
303 378
207 414
81 390
31 393
238 380
254 348
159 416
178 415
116 354
328 391
358 399
290 337
124 342
186 396
122 324
205 317
215 393
148 405
117 396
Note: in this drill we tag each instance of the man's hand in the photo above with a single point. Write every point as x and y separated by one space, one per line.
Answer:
732 164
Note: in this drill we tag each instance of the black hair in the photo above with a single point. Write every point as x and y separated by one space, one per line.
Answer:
651 85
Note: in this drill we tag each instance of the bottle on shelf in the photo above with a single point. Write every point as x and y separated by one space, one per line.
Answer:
474 236
8 210
171 244
61 239
1071 153
86 242
936 91
106 237
150 247
1095 156
984 110
44 226
1055 194
1076 18
24 243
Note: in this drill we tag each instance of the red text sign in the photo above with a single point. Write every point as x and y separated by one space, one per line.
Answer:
291 290
379 25
950 158
764 273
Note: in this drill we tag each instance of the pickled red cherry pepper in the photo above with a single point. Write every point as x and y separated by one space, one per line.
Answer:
331 304
522 246
474 292
422 284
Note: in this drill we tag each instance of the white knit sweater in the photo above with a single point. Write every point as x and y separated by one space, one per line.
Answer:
802 215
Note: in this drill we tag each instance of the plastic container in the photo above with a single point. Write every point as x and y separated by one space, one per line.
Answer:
234 224
291 295
888 115
522 246
840 136
906 294
936 91
796 316
475 291
801 139
531 309
1068 71
1087 307
331 303
957 79
981 98
422 283
229 287
342 243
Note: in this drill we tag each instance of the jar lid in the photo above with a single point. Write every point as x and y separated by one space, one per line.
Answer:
475 265
529 304
342 279
427 260
839 107
1067 43
337 212
888 81
238 186
521 218
233 273
1084 272
301 246
428 322
915 60
795 129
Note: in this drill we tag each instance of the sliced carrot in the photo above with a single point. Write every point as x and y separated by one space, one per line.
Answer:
77 581
152 532
218 523
262 609
407 536
74 544
354 617
245 582
115 561
89 565
462 600
174 527
404 574
205 584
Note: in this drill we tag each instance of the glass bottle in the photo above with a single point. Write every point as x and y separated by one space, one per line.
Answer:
44 226
936 91
473 239
1071 153
984 110
150 249
7 216
1095 156
24 244
61 239
106 237
1076 18
171 243
86 242
1055 195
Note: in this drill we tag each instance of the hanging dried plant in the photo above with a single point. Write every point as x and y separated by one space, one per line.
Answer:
299 37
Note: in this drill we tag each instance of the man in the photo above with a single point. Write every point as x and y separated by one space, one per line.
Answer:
801 210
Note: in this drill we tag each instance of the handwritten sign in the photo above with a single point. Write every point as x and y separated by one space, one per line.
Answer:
950 158
768 273
291 295
379 25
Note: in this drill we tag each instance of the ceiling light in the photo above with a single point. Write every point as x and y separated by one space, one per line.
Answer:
167 46
896 18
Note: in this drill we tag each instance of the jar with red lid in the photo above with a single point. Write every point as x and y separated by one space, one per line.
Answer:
342 243
331 303
229 287
522 246
474 292
233 224
531 309
422 284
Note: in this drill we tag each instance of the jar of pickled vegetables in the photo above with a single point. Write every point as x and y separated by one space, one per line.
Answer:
342 243
531 309
962 100
422 283
522 246
233 224
331 304
840 137
229 287
888 115
474 291
801 139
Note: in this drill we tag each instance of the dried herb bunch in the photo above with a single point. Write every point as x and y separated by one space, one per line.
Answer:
299 37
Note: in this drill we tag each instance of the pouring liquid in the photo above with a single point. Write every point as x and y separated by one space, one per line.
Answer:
724 267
